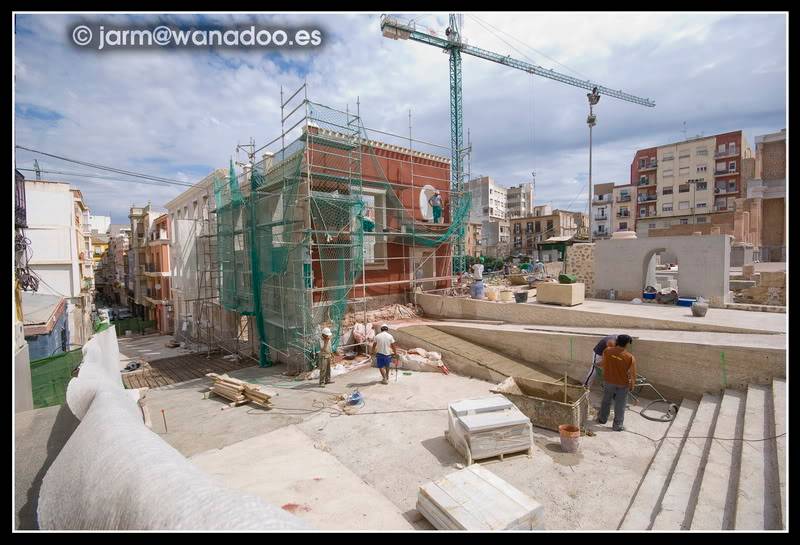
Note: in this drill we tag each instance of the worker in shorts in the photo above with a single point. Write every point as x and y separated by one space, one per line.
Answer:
385 349
324 358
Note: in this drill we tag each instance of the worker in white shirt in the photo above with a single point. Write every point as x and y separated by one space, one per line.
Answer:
385 349
477 270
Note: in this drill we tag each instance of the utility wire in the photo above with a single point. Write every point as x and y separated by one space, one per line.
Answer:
103 167
88 175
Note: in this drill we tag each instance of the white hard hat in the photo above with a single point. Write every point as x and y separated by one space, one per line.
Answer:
327 332
384 326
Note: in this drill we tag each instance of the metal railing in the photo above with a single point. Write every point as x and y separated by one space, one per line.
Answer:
623 214
647 198
729 152
624 199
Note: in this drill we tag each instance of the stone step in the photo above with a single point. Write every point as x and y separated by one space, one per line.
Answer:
779 404
677 506
647 498
716 502
758 500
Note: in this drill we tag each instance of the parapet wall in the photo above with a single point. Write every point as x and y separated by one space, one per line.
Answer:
676 369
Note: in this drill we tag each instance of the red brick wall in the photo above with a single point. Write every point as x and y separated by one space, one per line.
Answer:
641 154
773 160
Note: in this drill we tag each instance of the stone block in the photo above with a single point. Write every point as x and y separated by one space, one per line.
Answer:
747 271
736 285
772 279
561 294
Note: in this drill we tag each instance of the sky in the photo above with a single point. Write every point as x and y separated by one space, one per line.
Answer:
180 113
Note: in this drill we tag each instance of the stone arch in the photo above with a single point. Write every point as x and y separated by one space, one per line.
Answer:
648 257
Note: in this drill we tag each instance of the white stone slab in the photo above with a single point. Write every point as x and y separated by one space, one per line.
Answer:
480 405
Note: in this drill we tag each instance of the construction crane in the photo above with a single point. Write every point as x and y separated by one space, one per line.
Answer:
454 45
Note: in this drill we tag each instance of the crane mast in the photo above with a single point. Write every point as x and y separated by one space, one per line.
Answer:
454 46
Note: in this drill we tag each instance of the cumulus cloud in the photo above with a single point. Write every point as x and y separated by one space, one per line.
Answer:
180 113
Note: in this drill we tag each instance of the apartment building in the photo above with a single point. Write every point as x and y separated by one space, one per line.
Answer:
624 217
61 250
489 200
602 210
684 182
158 305
472 240
142 218
519 201
495 238
769 185
529 233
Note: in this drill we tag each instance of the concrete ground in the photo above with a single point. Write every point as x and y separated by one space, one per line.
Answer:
769 322
148 347
393 444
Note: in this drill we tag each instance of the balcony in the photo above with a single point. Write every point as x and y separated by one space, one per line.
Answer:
730 152
725 172
623 214
647 213
725 190
601 218
624 198
648 166
647 197
720 208
601 200
646 181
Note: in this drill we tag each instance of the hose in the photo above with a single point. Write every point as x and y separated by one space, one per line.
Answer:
672 411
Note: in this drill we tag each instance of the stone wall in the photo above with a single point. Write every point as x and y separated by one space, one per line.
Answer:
771 290
580 262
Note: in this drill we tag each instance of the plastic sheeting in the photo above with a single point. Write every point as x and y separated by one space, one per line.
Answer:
116 474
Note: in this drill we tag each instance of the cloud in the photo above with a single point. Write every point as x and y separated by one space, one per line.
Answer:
180 113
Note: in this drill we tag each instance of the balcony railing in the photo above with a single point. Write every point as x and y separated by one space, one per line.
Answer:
646 213
649 166
724 190
647 198
601 218
725 172
720 208
729 152
625 198
623 214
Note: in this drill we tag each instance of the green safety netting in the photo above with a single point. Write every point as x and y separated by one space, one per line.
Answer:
50 376
293 278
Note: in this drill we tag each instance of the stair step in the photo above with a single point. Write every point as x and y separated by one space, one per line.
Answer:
716 502
753 509
779 404
640 513
677 506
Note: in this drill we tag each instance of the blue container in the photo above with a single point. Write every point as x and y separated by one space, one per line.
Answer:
478 289
685 301
648 296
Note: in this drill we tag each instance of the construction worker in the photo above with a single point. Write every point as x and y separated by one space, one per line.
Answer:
538 270
436 204
324 358
477 270
597 359
385 349
619 372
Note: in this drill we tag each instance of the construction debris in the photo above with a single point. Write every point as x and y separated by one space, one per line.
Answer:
419 359
238 391
477 499
384 314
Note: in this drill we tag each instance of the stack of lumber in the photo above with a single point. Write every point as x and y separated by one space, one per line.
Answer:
476 499
238 391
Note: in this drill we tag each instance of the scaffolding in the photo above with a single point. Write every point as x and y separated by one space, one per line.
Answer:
333 221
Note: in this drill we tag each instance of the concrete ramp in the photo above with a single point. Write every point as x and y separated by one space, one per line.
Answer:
470 359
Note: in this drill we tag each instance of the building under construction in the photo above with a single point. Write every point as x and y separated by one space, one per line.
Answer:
328 222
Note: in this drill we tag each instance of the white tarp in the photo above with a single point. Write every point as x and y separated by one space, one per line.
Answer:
114 473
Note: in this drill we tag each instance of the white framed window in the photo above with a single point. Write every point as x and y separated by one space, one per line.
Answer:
721 148
701 168
701 186
683 205
623 226
732 166
666 207
701 151
666 190
683 171
701 205
684 221
374 225
668 173
668 157
683 154
642 162
702 219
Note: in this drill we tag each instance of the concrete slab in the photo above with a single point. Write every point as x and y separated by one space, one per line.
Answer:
679 501
642 510
716 502
148 347
287 468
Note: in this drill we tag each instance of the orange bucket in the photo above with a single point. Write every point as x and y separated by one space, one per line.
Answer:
570 437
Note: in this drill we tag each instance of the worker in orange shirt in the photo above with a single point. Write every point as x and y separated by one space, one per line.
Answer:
619 372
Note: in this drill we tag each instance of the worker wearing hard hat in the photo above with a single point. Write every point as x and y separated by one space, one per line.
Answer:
385 349
436 204
325 357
